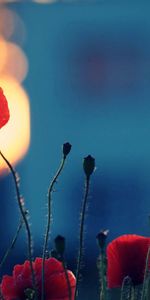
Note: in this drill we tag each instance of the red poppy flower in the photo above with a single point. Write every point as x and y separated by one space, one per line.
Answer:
127 257
56 288
4 111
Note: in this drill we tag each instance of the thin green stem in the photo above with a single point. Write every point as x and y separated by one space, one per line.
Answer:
81 232
12 244
23 214
102 269
126 289
50 190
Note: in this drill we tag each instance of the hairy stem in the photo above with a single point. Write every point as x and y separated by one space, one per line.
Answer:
23 214
102 269
127 289
50 190
12 244
81 232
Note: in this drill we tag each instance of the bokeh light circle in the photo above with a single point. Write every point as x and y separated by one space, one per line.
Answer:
45 1
3 53
16 64
15 135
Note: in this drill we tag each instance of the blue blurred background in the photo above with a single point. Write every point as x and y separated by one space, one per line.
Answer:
89 84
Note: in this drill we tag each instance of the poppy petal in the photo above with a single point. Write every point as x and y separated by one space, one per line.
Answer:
126 257
4 110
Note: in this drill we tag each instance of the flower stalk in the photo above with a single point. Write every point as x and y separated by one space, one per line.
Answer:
66 150
101 240
127 292
25 220
88 166
12 244
60 244
67 279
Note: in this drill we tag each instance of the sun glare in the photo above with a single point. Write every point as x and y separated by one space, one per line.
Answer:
15 135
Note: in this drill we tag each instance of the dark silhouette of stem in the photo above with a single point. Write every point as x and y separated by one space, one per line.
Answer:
22 211
102 275
12 244
81 233
50 190
127 289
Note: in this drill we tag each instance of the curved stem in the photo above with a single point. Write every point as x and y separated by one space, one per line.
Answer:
12 244
24 219
127 289
50 190
81 233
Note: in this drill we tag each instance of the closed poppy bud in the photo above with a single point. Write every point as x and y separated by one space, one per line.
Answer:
66 149
88 165
60 244
101 238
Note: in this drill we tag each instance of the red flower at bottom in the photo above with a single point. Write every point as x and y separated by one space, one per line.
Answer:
127 257
56 288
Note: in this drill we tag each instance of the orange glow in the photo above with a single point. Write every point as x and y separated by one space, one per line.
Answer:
44 1
15 136
8 1
6 22
3 53
15 63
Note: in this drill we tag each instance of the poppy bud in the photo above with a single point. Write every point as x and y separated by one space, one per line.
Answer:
88 165
66 149
101 238
60 244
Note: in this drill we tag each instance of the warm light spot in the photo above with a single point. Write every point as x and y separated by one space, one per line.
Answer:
6 22
15 135
8 1
44 1
3 53
16 64
11 25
